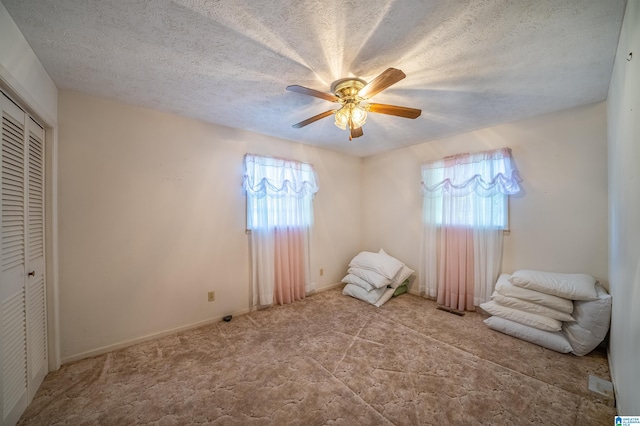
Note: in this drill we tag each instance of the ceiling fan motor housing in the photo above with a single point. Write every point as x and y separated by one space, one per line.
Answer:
347 88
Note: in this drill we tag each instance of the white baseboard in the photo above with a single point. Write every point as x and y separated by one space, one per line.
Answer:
615 388
157 335
329 287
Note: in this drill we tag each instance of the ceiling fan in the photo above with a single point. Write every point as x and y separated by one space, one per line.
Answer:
351 93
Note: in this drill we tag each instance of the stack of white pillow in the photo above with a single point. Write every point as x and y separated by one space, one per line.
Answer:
562 312
374 277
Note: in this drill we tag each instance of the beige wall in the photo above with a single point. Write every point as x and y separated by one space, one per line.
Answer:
558 224
152 217
623 110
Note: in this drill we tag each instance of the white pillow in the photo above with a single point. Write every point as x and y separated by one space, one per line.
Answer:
362 294
582 341
355 280
385 297
594 315
385 265
532 320
569 286
401 276
505 288
554 340
404 272
372 277
533 308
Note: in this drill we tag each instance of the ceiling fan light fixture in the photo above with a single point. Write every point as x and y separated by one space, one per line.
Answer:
349 93
342 118
351 113
358 116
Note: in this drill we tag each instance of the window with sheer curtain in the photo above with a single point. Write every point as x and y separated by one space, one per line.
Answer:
470 189
280 215
465 211
279 192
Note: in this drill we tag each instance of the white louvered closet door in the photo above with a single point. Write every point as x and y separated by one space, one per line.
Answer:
37 366
22 287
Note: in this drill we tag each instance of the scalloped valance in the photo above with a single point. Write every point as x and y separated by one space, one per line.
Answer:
277 177
486 173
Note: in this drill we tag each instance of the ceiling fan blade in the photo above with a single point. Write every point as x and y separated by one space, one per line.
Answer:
394 110
313 119
311 92
356 133
387 78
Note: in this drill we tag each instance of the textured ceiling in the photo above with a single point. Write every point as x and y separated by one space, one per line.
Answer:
469 64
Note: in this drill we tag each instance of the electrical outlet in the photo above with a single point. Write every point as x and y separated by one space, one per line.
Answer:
211 296
321 272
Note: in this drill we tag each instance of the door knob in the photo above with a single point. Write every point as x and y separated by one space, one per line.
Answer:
32 273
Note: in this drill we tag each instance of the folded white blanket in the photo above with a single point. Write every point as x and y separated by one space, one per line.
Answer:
372 277
362 294
355 280
532 308
568 286
553 340
592 323
383 264
505 288
532 320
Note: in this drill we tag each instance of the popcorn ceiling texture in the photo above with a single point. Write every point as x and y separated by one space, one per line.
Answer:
469 64
330 359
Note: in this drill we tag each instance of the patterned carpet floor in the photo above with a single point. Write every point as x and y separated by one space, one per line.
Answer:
329 359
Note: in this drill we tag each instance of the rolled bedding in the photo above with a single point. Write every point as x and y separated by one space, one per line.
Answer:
505 288
535 304
592 323
371 296
554 340
371 275
567 286
525 318
377 297
530 307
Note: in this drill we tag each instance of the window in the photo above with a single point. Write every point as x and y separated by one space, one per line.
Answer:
470 190
279 192
472 211
280 215
465 211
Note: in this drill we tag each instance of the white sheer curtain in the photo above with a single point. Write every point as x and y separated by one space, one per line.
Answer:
464 215
279 215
